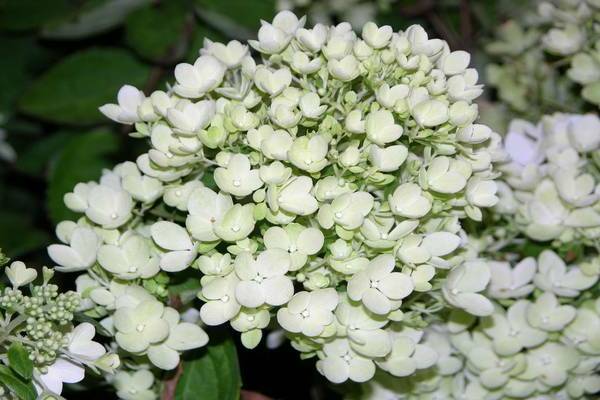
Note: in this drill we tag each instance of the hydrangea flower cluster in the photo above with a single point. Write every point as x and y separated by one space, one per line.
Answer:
550 61
550 188
322 188
41 325
541 342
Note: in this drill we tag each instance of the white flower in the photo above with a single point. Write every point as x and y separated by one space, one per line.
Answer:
81 344
126 112
130 259
79 254
550 363
348 210
177 196
108 207
61 371
188 118
376 37
564 41
345 69
180 251
302 64
354 122
447 175
206 208
221 304
481 193
340 363
418 249
381 128
140 326
312 39
273 38
388 159
277 144
238 179
182 336
272 82
554 277
464 86
507 282
455 62
548 315
511 332
463 284
230 54
430 113
309 154
295 197
363 329
408 355
309 313
19 275
408 201
378 287
523 143
310 105
194 81
263 280
584 132
494 372
298 241
135 385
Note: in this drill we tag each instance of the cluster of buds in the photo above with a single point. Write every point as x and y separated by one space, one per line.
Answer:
40 322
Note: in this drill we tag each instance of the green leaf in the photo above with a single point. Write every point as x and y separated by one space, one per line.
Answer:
156 31
18 58
23 390
35 159
19 15
96 16
19 361
22 237
214 375
248 14
71 91
81 160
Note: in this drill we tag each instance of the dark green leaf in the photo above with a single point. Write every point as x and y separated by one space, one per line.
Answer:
243 12
96 16
22 237
18 15
19 361
71 91
22 390
20 57
81 160
34 160
214 375
157 32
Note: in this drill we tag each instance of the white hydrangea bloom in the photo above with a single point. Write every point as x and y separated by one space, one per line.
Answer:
340 166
